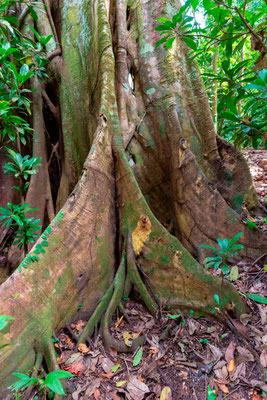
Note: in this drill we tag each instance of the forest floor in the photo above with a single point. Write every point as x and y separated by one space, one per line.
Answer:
184 356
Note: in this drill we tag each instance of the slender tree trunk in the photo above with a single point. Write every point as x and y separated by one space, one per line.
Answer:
154 166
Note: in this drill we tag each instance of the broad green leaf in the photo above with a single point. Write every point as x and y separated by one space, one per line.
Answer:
138 357
217 298
257 298
5 320
24 69
174 316
235 238
210 394
251 224
169 43
225 269
190 43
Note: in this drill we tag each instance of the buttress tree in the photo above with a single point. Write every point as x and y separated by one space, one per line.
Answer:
133 169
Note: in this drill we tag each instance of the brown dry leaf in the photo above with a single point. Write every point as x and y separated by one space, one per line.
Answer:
263 358
107 364
229 356
244 354
83 348
141 233
166 393
96 394
229 353
137 389
91 388
223 387
215 351
192 326
263 313
240 328
240 372
245 318
77 368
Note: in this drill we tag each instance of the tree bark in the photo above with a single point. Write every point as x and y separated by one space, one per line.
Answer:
153 155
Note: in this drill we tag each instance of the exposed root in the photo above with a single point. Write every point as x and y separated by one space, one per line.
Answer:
137 280
96 316
38 362
120 287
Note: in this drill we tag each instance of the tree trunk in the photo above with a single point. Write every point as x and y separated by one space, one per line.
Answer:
154 161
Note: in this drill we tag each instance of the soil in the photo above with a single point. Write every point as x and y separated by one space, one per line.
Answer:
188 356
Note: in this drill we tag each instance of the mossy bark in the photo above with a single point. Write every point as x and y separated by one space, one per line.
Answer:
152 151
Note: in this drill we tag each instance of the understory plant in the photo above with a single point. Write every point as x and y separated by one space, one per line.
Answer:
22 57
219 258
49 385
24 228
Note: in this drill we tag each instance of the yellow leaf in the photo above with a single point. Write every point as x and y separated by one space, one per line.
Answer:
28 60
127 338
166 393
231 366
120 383
141 234
83 348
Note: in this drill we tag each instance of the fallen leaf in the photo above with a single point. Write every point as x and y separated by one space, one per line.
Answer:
136 388
96 394
240 328
127 338
83 348
91 388
115 368
77 368
223 387
263 358
234 274
240 372
229 356
231 366
244 354
138 357
166 393
215 351
256 397
120 383
106 364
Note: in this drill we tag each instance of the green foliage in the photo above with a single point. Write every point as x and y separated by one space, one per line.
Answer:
258 298
39 248
227 248
21 167
138 357
5 323
219 302
25 228
229 29
22 57
51 382
210 394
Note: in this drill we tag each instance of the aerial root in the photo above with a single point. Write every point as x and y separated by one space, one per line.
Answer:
126 276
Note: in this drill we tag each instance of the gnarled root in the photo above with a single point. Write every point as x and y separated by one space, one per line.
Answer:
126 276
